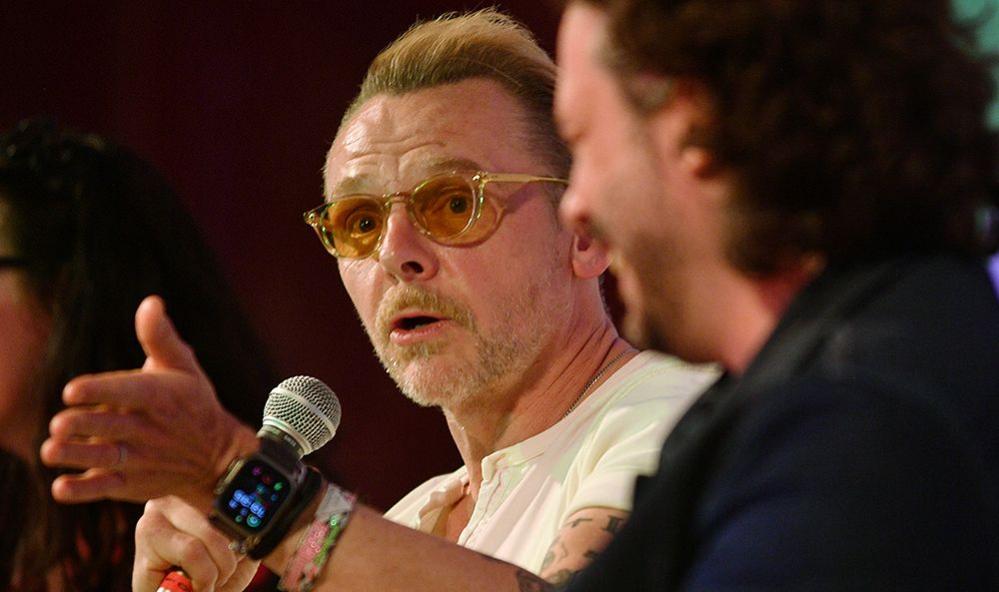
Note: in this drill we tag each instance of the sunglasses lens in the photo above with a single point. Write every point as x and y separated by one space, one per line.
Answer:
352 226
444 206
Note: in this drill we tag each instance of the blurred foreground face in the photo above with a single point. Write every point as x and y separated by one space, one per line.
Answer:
453 322
23 335
620 191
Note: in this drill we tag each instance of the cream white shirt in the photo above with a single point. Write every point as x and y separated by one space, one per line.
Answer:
588 459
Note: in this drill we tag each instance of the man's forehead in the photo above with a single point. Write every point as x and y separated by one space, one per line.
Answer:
371 183
471 125
581 38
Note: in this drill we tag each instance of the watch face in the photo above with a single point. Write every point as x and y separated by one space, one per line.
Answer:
254 495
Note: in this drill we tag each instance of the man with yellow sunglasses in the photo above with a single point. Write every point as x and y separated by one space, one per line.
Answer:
441 189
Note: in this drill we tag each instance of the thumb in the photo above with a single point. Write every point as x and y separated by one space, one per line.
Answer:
159 339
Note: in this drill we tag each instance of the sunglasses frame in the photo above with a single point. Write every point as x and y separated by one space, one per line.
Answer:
477 183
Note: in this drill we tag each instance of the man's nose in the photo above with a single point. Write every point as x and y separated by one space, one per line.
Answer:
405 252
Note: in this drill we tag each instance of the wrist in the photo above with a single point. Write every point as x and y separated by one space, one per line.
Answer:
278 559
317 540
237 441
302 505
261 495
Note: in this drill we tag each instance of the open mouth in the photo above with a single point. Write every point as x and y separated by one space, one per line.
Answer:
418 323
414 322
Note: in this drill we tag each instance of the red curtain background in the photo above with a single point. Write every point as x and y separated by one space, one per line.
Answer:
236 102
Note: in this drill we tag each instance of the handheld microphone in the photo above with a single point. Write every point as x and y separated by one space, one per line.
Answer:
301 415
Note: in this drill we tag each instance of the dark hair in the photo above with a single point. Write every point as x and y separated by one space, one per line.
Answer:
99 229
855 128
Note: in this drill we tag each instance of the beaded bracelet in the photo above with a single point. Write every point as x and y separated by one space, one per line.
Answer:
317 543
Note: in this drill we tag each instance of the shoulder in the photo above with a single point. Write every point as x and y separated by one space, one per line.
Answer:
852 472
644 399
652 386
937 314
620 433
633 411
869 439
910 352
838 418
833 415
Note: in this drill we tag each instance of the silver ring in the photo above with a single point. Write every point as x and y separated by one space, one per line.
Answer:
238 546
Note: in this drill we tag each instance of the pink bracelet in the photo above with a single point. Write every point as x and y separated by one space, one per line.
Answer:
317 543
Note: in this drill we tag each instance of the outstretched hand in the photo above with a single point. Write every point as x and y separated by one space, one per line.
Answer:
146 433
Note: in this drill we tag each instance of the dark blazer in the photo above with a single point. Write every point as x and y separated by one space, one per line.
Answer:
859 451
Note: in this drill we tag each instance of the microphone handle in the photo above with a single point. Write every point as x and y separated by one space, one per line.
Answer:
176 581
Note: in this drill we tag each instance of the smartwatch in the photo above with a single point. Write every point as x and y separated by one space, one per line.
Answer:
256 492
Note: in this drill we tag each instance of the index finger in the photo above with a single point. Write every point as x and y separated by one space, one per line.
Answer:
129 388
189 519
160 545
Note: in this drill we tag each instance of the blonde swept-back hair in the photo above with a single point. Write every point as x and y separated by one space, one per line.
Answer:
482 44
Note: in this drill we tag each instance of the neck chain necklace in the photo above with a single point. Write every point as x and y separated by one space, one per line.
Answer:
593 380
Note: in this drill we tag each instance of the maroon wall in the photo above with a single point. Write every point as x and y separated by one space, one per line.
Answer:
236 103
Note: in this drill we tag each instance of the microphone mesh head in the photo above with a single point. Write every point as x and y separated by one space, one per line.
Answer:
305 409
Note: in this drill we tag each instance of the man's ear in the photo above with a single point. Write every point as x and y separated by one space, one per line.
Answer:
677 128
589 256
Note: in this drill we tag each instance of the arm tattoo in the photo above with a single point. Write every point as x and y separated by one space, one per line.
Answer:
563 578
579 521
528 582
548 560
613 524
556 551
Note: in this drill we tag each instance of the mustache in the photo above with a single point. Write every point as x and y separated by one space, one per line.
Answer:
425 300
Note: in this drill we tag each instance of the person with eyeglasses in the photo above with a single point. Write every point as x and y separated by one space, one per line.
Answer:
87 230
441 190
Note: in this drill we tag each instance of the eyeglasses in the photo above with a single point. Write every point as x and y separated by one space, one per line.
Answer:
450 209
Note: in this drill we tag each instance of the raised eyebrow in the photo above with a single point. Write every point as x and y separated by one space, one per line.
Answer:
351 185
362 183
439 165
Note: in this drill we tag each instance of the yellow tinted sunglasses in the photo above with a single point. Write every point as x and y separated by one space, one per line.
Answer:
450 209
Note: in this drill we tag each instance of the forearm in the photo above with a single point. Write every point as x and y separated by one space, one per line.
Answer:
376 554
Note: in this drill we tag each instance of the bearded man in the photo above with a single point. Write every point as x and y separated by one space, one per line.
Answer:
442 187
804 192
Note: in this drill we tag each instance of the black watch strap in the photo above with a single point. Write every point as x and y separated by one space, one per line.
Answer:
279 529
